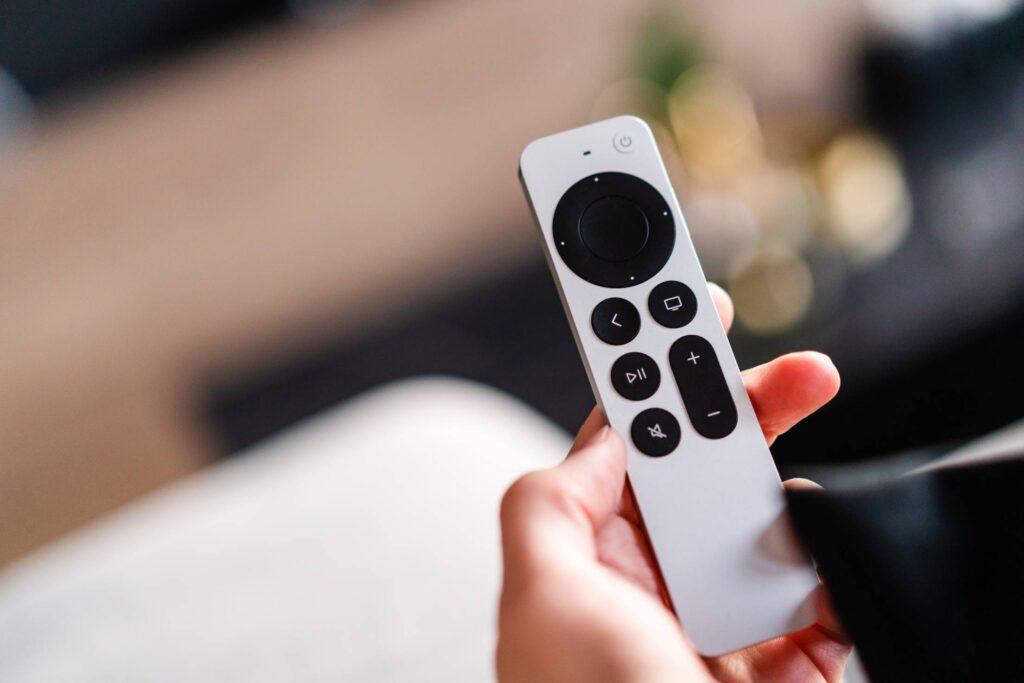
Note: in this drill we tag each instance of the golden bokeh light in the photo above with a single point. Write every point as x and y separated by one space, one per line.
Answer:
865 197
767 193
785 201
715 125
772 288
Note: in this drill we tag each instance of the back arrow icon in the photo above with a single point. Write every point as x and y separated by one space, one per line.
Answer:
615 323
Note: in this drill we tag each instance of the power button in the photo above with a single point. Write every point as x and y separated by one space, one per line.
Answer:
624 142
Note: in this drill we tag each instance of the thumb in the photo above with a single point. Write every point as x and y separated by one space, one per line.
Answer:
550 517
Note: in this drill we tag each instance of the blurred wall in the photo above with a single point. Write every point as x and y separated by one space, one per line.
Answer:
196 219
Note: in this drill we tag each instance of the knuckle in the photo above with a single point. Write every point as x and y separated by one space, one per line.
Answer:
539 489
523 490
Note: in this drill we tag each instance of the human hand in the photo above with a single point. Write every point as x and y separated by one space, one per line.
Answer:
581 599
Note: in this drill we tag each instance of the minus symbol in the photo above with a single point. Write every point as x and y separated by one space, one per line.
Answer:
717 412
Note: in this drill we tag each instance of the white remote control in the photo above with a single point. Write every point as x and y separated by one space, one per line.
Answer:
665 376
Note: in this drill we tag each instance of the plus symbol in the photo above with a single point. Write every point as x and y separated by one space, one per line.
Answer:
693 358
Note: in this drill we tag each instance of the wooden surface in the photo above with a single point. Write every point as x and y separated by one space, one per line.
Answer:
195 222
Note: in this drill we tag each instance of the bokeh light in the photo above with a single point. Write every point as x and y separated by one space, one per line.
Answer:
772 288
715 125
770 196
866 201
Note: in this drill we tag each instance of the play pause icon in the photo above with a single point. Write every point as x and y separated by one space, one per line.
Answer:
634 376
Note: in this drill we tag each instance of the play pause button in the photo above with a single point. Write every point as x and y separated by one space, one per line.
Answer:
636 376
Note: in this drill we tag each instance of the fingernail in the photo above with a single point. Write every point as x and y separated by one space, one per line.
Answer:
599 436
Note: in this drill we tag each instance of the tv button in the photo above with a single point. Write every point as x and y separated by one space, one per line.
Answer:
672 304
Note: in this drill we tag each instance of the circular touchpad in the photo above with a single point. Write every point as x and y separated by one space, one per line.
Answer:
614 228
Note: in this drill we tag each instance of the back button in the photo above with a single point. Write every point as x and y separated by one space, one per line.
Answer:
615 321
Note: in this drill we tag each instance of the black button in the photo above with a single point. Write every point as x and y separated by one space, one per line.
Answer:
614 228
672 304
655 432
702 386
615 321
636 376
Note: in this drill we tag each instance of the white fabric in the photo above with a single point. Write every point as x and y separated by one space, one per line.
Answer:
360 546
1003 444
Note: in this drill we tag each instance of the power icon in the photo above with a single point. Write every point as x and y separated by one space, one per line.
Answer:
624 143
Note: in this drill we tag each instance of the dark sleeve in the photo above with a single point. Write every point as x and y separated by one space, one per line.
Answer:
925 571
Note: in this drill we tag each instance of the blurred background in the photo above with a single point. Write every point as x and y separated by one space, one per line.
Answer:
220 218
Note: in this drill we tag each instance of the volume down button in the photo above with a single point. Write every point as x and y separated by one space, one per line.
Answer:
702 386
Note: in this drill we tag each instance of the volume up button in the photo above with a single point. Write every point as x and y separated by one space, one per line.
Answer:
702 386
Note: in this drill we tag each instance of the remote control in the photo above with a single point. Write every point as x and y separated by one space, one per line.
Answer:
665 377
